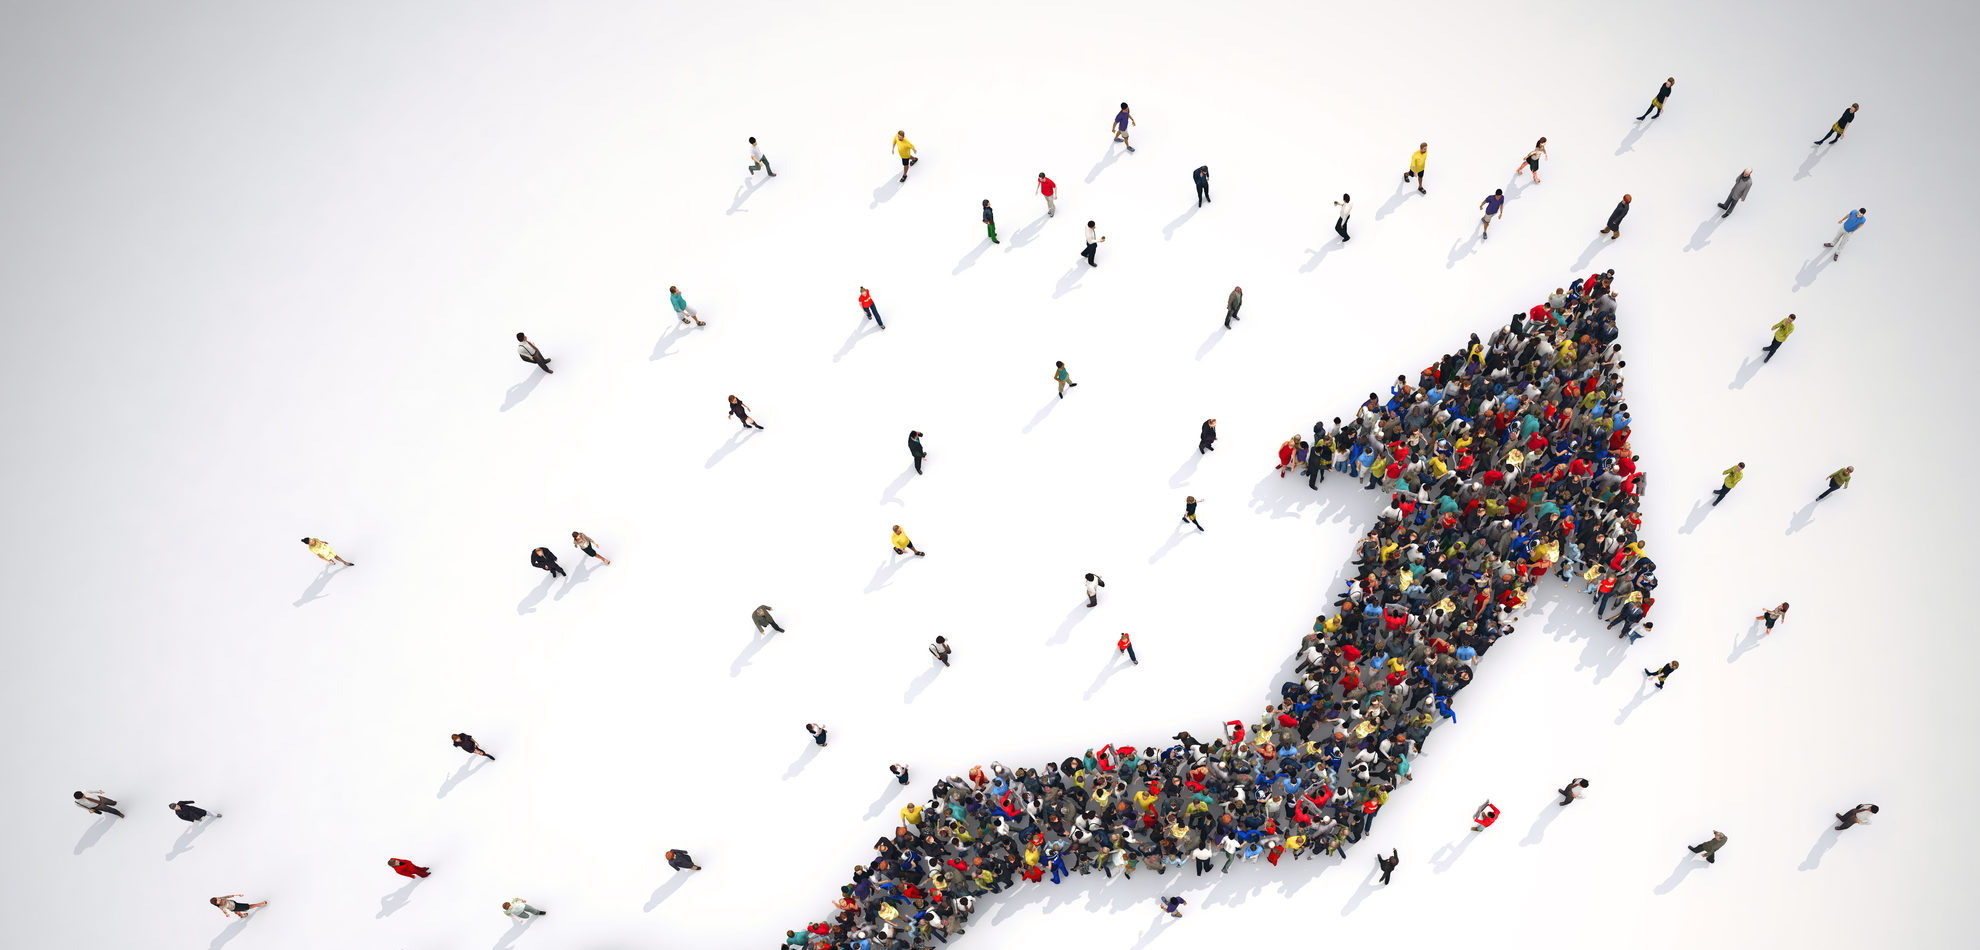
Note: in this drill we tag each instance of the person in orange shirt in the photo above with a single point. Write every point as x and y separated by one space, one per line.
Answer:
866 304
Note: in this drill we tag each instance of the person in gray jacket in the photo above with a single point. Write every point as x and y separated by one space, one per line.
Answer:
1740 187
1710 849
1231 305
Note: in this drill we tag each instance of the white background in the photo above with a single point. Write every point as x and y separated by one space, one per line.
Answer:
263 264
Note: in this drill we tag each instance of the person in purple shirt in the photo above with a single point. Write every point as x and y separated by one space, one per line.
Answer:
1494 204
1121 124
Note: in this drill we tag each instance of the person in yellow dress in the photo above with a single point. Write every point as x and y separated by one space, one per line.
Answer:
905 149
321 548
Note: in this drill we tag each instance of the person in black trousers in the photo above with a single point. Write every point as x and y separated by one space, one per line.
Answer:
681 861
1189 512
741 412
1614 228
1854 817
1657 101
900 772
1571 791
1205 439
1318 457
96 803
1346 204
542 559
1663 673
1093 240
466 743
530 354
187 811
1202 176
1388 864
1841 125
914 449
817 732
1232 305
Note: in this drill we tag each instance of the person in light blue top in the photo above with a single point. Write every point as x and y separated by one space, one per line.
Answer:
1850 223
681 308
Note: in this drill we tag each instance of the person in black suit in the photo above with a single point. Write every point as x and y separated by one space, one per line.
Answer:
466 743
1614 228
914 449
187 811
1205 438
542 559
1202 176
1388 864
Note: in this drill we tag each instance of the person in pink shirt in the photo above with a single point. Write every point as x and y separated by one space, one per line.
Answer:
1048 188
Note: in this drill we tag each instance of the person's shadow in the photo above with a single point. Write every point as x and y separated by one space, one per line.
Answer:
1050 404
1073 618
1187 470
521 391
315 589
508 940
1802 518
474 764
1548 813
1369 885
1820 848
744 191
94 832
1070 282
1465 248
662 346
1703 235
390 903
756 642
894 790
890 494
666 890
811 750
1686 865
865 329
1169 230
233 930
1115 664
969 260
1447 856
1395 201
886 192
185 842
1216 336
735 442
1814 158
922 682
1748 368
1588 256
1699 509
1629 141
1182 530
574 577
1025 235
1314 257
883 575
1113 155
1747 643
1811 269
1644 691
528 604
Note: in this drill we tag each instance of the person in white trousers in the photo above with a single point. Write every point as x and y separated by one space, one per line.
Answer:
1849 224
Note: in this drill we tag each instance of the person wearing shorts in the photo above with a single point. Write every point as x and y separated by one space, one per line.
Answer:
228 905
905 149
1121 124
1416 161
1494 204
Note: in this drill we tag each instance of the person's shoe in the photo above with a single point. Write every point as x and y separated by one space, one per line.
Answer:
1660 686
1420 191
1828 245
1130 148
995 241
904 178
1726 215
1835 257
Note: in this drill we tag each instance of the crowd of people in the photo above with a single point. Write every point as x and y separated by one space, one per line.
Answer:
1503 462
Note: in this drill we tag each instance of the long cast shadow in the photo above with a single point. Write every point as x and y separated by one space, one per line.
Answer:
756 642
1703 235
185 842
315 589
1070 282
1687 864
865 329
1820 848
474 764
94 832
922 682
233 930
1815 156
894 790
735 442
1548 812
969 260
528 604
1169 230
811 750
521 391
666 890
574 577
390 903
890 494
1050 404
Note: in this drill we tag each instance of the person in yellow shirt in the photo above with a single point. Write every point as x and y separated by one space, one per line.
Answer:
1781 333
321 548
1733 475
911 814
902 545
905 149
1416 160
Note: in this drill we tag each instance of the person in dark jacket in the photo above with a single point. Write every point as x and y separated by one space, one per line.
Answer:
1231 305
817 732
1841 125
543 560
1202 176
1388 864
681 861
187 811
1206 439
1710 849
1614 228
1741 185
990 221
1854 816
914 449
741 411
1663 673
1571 791
1657 101
466 743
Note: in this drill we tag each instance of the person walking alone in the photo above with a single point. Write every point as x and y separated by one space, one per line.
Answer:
1532 160
1840 127
406 869
1663 673
1772 615
321 548
915 450
1048 188
990 221
1710 849
1484 816
905 149
1189 512
530 354
1849 225
1122 122
1494 205
187 811
902 545
1207 438
1657 101
1733 476
762 619
1853 817
756 158
1782 330
1614 228
866 306
900 771
1837 479
818 732
1571 791
740 410
521 909
1093 242
228 905
681 308
1232 304
940 650
543 560
583 543
681 861
1063 378
1741 185
1346 207
1416 162
1202 178
1093 585
1388 864
96 803
1126 645
466 743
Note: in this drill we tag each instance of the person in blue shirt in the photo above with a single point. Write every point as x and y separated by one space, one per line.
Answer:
1494 204
1850 223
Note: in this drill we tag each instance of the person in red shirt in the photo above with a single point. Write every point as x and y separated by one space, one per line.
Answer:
1285 458
1048 188
405 868
866 304
1485 816
1125 645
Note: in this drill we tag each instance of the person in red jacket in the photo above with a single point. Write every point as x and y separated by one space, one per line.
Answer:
1485 816
405 868
866 304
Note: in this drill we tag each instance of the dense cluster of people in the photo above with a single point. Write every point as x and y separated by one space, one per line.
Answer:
1504 461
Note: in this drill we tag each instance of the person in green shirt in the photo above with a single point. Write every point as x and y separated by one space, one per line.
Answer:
1733 475
1064 378
1837 479
1782 331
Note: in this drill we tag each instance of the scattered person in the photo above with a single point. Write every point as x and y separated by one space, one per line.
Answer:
681 308
583 543
1093 585
1485 816
530 354
466 743
405 868
1126 645
543 559
1206 439
940 650
1231 305
762 619
321 548
187 811
1494 205
866 306
1189 512
1574 789
1416 161
1093 242
1741 185
990 221
756 158
1710 849
1782 331
1838 479
740 410
1532 160
915 450
900 772
1172 905
1614 228
682 861
818 732
1840 127
1733 476
1346 207
1388 864
902 545
1657 101
228 905
96 803
906 150
1062 377
1772 615
1121 124
1663 673
1048 188
1854 817
1850 223
1202 178
521 910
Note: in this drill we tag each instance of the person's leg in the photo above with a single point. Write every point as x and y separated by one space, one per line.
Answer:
917 464
1833 485
766 166
1770 348
1093 600
1720 495
1131 657
992 225
1062 389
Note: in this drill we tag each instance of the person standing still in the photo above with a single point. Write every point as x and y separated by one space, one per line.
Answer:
1416 162
906 150
1202 178
915 450
1733 476
1121 124
1741 185
1231 306
321 548
1048 188
96 803
1063 378
1782 331
740 410
1850 223
1853 817
1126 645
756 158
1657 101
1840 127
1532 160
1346 206
903 545
542 559
761 618
1189 512
681 861
1837 479
1093 585
681 308
866 306
1093 242
1662 673
990 221
530 354
900 771
1494 204
1710 849
1614 228
583 543
1206 439
940 650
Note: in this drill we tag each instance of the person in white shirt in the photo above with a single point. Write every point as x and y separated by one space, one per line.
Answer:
1093 585
520 909
756 158
1346 206
1093 242
530 354
96 803
1576 788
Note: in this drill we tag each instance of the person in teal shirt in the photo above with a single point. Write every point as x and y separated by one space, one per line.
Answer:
681 309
